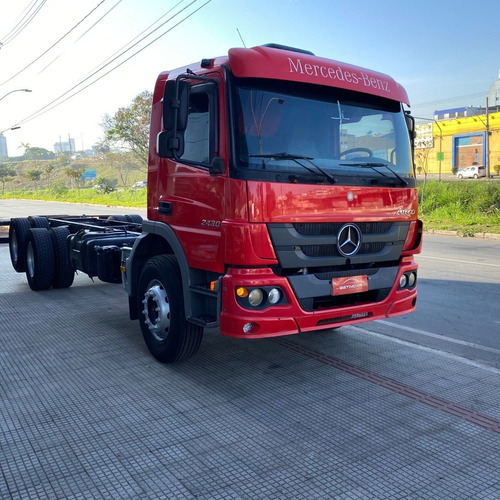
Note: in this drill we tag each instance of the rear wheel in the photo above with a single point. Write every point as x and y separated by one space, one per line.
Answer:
18 231
168 336
39 259
37 221
119 218
136 218
475 176
64 274
460 176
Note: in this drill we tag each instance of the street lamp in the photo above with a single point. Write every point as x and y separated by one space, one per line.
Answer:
12 91
11 128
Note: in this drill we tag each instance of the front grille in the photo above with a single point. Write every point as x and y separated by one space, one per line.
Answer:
314 245
324 250
332 228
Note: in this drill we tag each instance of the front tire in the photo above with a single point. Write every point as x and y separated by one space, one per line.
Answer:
168 335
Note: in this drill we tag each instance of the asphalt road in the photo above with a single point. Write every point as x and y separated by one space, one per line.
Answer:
458 307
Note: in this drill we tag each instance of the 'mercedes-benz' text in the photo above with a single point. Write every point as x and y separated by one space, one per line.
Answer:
338 73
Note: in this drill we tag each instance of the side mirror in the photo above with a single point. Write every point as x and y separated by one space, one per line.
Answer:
170 143
410 123
176 105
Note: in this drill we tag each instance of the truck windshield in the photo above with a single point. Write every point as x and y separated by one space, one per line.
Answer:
301 133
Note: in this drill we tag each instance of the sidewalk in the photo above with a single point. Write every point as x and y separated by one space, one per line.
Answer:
87 413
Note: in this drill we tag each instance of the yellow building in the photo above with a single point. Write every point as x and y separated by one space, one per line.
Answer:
458 138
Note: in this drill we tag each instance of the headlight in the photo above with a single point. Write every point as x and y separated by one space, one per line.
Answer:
403 281
255 297
274 296
411 279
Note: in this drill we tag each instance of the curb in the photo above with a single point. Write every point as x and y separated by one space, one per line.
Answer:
443 232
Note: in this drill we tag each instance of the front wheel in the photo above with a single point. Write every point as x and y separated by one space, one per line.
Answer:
168 335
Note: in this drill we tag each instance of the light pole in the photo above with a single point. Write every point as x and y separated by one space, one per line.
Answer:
487 127
12 91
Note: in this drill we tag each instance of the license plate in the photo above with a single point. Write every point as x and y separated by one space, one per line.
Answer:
351 284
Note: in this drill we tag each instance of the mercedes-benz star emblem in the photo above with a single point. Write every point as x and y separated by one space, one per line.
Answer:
348 240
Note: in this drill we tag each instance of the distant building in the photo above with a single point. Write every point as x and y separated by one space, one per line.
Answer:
65 147
494 93
3 147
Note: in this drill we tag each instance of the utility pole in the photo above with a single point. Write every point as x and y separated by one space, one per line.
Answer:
487 145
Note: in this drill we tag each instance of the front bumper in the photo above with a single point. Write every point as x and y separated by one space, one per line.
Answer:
291 318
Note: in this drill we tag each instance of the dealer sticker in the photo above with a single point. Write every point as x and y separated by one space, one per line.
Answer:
352 284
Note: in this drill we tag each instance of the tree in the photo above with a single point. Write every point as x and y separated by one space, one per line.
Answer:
6 173
123 164
106 185
75 174
34 175
129 127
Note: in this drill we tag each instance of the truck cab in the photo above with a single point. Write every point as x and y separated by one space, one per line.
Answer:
281 199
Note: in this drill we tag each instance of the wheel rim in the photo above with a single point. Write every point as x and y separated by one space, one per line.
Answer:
30 260
156 310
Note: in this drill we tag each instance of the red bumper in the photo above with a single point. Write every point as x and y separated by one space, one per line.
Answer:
290 318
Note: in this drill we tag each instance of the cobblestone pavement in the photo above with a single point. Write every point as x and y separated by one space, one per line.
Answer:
87 413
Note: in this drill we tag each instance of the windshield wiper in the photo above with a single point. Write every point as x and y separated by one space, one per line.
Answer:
374 166
296 158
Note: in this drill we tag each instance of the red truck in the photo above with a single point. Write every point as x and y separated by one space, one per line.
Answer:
281 199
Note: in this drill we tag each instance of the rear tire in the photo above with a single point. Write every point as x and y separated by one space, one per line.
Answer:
168 335
64 274
18 231
475 176
37 221
460 176
135 218
39 259
119 218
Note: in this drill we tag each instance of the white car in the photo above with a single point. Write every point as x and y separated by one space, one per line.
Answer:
140 185
472 172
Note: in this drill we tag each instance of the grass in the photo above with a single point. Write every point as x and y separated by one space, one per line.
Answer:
468 207
124 198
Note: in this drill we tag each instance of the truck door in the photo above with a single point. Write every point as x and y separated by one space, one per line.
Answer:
194 199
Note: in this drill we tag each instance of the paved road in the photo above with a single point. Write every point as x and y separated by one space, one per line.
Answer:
86 412
458 308
459 288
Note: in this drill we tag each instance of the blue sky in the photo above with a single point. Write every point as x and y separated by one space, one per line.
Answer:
443 53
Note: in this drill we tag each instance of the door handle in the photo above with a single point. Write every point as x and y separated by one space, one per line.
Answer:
165 208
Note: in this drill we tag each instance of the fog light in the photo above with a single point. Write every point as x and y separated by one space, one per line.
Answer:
255 297
412 278
274 296
403 281
247 328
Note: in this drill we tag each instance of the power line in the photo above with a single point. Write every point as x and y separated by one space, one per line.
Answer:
53 45
23 24
449 99
111 58
53 104
81 36
19 19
